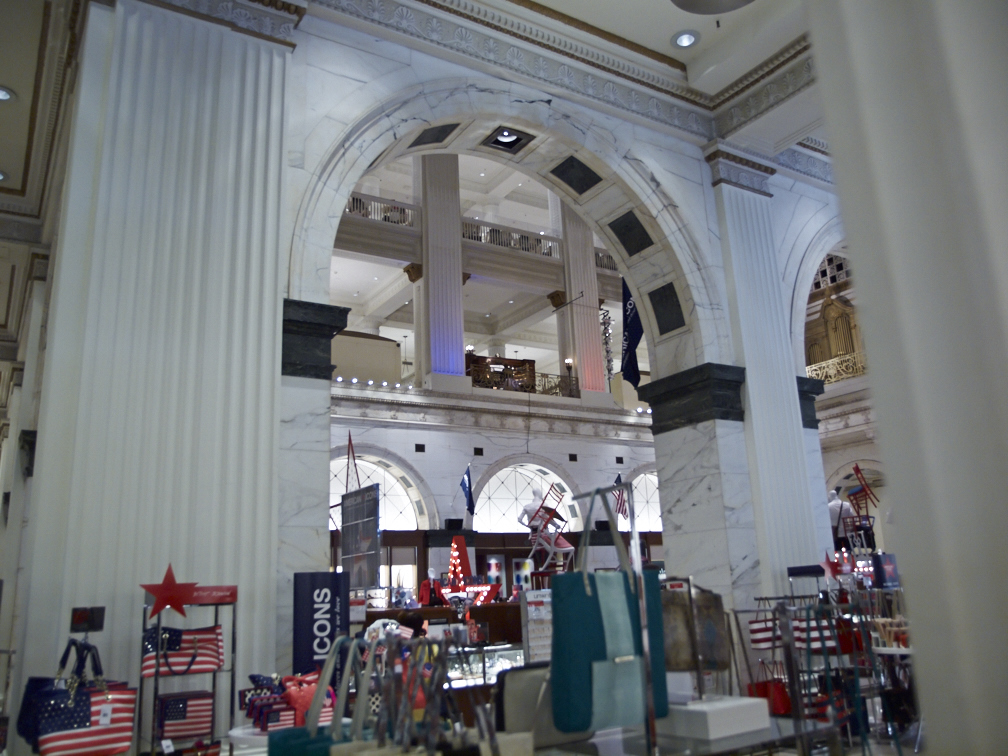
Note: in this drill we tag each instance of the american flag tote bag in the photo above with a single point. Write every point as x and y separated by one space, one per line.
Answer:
92 722
186 715
183 652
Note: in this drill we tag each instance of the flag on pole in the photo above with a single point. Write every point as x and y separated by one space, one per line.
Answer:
351 466
466 486
633 331
621 505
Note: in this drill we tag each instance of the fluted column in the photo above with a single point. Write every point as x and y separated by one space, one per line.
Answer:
421 345
158 422
581 281
782 500
442 270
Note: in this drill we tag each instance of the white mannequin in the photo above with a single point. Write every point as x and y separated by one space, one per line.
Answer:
529 510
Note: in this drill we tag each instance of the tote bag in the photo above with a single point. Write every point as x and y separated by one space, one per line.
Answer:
597 658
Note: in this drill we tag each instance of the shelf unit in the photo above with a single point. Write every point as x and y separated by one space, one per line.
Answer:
229 668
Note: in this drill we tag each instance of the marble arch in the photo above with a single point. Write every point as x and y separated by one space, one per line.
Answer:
430 518
677 255
806 255
518 459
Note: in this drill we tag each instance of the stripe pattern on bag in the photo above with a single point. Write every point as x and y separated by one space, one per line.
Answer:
77 736
183 652
186 715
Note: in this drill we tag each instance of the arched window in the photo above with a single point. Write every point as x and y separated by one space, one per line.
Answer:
645 496
396 510
507 493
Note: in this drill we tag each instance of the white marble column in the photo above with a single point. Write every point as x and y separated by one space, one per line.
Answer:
555 213
916 101
421 344
442 273
581 281
158 422
782 498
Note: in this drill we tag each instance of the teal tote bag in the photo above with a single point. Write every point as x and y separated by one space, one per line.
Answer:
597 661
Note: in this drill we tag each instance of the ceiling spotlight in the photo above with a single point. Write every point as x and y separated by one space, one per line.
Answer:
649 410
397 385
686 38
339 379
542 233
507 137
385 383
370 383
640 409
3 176
519 184
510 301
6 94
411 385
376 278
353 380
356 293
488 314
482 174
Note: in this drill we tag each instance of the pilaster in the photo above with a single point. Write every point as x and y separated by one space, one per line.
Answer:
581 282
442 266
782 497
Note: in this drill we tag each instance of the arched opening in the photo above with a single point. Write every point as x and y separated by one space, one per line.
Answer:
833 345
517 489
646 505
399 505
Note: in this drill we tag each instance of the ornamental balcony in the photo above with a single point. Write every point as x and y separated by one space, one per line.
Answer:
838 368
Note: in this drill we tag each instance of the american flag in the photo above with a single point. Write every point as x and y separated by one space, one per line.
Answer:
90 737
178 647
621 505
186 715
281 717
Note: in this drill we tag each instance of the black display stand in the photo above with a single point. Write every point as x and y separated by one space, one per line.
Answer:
154 744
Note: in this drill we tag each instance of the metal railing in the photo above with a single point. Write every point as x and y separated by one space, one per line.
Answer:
605 261
511 238
839 368
404 214
557 385
384 210
523 379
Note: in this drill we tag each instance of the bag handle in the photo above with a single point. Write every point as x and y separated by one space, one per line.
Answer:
617 541
164 655
315 710
72 645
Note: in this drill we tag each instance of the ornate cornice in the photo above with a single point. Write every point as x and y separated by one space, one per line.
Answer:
815 145
274 20
770 92
807 165
728 168
554 62
783 57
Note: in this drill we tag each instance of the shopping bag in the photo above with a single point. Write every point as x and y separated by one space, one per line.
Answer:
38 689
763 632
182 652
597 657
769 684
185 715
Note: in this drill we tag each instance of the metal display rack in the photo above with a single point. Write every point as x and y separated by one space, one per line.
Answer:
230 668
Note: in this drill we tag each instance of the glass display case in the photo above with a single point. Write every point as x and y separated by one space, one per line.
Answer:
479 665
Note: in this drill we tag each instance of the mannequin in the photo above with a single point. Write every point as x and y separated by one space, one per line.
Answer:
839 509
430 590
529 510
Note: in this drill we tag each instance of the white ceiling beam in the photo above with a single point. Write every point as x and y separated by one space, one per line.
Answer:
388 298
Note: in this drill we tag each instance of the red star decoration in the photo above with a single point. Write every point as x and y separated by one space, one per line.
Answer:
170 594
831 567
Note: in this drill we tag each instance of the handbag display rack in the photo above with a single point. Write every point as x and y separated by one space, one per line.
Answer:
160 660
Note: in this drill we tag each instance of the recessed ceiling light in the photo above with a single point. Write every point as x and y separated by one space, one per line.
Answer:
510 301
519 184
376 278
6 94
507 137
3 176
488 314
482 174
542 233
686 38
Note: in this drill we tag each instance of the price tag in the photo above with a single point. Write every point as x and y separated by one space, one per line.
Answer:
105 715
167 746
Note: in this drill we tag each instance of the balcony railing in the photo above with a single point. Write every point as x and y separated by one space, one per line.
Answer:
384 210
839 368
518 375
404 214
557 385
510 238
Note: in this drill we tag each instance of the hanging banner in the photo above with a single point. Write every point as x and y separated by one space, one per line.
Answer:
321 614
359 536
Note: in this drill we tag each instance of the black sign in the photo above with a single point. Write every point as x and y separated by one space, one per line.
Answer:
87 619
359 536
321 614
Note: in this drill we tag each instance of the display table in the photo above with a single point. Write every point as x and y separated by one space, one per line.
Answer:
248 740
630 741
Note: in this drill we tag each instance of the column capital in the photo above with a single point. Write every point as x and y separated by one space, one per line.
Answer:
557 298
308 331
808 390
706 392
414 272
735 170
273 20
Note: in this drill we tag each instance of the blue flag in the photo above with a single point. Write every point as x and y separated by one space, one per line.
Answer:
466 485
633 331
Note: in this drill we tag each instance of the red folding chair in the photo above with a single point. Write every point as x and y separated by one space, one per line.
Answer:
861 497
545 531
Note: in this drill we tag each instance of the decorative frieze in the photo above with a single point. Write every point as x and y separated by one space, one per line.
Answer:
727 168
273 19
805 164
